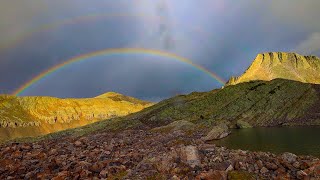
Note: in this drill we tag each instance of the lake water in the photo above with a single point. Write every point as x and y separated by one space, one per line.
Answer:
298 140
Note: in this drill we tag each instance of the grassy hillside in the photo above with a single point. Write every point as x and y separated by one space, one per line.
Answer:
260 103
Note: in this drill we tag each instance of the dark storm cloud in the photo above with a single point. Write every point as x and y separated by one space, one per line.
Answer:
223 36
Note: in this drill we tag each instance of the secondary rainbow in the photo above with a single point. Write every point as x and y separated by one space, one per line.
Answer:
112 52
85 19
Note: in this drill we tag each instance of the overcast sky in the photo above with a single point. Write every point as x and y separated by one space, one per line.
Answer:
224 36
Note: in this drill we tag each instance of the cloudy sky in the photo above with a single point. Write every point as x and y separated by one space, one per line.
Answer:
223 36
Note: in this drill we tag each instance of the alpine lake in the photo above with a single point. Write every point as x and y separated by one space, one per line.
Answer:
297 140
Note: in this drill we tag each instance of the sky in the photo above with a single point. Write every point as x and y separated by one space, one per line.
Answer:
222 36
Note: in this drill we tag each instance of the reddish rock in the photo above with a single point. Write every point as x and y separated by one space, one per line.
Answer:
271 166
77 143
61 175
103 174
283 176
264 170
302 175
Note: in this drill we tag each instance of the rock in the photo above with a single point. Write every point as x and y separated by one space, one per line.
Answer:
103 174
78 143
264 170
259 164
175 178
271 166
212 175
283 176
296 165
230 168
240 175
62 175
243 124
289 157
190 155
302 175
314 170
217 132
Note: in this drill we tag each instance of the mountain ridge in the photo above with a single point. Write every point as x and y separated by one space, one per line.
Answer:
272 65
43 114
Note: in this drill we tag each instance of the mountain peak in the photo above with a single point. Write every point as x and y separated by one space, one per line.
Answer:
286 65
108 95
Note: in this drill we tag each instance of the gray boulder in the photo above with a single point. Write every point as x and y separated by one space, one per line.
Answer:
217 132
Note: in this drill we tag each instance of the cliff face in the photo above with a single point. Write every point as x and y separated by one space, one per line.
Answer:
292 66
20 116
260 103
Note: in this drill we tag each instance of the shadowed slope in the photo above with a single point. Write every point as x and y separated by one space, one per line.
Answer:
260 103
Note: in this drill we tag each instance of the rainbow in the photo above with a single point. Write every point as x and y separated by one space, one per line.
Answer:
107 52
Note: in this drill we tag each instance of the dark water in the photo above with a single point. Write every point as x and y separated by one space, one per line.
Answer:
298 140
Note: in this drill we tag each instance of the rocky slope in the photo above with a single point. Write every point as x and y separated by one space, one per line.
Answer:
29 116
272 65
143 154
257 103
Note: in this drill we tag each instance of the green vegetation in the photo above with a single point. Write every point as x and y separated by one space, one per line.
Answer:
257 103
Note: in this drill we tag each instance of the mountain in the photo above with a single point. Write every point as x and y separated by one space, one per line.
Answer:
31 116
259 103
272 65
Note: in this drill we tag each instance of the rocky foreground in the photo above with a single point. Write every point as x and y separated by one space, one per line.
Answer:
144 154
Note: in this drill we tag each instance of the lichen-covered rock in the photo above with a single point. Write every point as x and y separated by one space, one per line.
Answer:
289 157
217 132
243 124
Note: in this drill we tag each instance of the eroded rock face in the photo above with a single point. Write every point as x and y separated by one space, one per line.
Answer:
272 65
217 132
44 112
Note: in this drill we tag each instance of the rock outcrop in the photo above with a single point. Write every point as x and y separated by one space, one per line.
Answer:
217 132
272 65
25 116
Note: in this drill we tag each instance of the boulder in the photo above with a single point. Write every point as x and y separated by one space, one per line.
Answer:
217 132
243 124
289 157
190 155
